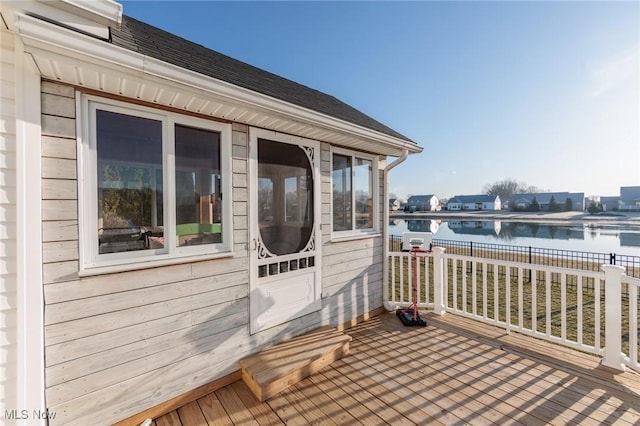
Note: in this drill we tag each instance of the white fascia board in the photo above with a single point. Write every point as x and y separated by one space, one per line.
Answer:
90 17
105 11
64 41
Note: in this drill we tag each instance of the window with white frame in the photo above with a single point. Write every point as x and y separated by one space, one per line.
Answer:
354 197
153 185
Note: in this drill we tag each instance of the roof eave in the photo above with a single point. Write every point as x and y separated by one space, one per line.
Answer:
44 37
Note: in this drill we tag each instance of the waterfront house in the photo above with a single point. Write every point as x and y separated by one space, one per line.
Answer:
474 202
167 210
422 203
394 204
629 198
608 203
571 201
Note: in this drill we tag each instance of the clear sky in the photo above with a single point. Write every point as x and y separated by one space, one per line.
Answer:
543 92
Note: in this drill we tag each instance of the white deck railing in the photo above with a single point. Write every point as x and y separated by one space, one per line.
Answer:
595 312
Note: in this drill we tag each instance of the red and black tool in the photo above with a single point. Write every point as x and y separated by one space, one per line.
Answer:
410 316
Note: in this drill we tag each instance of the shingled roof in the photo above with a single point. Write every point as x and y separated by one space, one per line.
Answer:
148 40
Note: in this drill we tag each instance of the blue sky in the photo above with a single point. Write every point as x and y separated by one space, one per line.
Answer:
546 92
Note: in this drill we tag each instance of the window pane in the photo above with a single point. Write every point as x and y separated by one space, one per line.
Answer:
285 197
265 201
364 193
296 198
198 195
129 152
341 174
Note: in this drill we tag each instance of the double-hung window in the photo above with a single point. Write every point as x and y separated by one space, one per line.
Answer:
354 193
155 186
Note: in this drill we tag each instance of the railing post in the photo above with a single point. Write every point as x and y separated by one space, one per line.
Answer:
613 317
439 285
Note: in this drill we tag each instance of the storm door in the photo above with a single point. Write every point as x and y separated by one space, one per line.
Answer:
284 232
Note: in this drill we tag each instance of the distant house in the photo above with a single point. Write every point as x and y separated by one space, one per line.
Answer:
629 198
609 203
523 201
422 203
474 202
394 204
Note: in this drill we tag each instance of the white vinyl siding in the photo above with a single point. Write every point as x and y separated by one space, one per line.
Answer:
134 339
119 343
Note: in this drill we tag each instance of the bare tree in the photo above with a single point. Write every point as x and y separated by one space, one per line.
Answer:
507 187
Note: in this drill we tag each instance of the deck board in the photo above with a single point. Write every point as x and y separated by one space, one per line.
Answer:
192 414
454 371
260 411
213 411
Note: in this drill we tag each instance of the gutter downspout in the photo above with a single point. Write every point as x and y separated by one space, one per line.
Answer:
385 234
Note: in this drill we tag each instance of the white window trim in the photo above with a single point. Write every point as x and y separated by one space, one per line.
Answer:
91 262
358 233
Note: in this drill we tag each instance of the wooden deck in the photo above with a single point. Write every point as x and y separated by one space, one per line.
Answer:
454 371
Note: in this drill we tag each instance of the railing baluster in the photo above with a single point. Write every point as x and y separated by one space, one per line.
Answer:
548 303
427 276
579 302
418 277
596 325
496 294
533 282
474 287
563 307
402 277
485 311
507 297
464 286
520 299
393 278
455 284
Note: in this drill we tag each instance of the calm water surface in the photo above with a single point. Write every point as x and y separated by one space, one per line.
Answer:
599 238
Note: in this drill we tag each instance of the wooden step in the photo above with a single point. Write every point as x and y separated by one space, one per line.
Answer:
278 367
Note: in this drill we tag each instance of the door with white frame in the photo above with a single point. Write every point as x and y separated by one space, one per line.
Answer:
284 231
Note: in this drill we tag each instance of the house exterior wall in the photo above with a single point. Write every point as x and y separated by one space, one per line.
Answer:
8 279
523 201
423 203
629 198
608 203
117 344
491 205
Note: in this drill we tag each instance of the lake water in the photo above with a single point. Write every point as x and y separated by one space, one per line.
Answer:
592 237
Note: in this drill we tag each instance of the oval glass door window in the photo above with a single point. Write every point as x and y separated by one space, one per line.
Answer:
285 197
